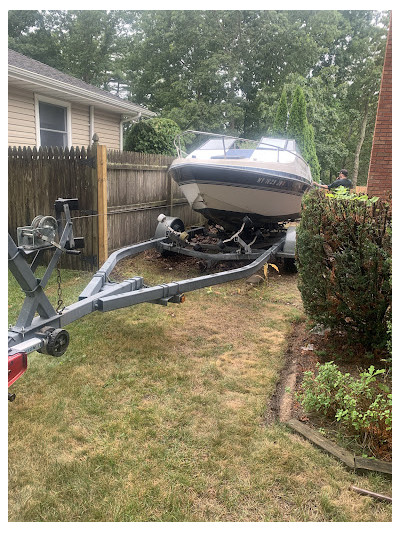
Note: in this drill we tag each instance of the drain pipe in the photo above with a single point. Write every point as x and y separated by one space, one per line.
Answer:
123 120
91 124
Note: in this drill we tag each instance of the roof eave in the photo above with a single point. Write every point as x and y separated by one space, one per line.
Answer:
68 89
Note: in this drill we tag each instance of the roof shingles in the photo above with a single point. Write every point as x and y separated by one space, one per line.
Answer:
26 63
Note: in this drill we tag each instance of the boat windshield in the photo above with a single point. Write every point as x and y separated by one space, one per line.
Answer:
268 149
284 144
217 144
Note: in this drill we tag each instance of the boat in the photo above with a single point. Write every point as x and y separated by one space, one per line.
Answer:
228 178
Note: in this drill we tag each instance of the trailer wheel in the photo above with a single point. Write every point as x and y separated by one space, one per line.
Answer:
289 265
57 342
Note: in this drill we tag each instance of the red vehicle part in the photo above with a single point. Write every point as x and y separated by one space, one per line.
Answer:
17 364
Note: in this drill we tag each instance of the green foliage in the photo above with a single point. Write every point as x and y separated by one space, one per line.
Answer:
154 136
344 264
80 43
281 117
303 132
297 123
224 71
310 153
358 404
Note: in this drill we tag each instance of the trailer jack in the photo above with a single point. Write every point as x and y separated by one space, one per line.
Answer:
41 328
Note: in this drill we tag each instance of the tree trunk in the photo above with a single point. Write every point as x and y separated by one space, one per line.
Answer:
359 144
347 143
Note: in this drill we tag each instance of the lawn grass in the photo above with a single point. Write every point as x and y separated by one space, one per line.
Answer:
157 414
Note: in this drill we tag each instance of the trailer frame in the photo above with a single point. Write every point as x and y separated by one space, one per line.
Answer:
45 333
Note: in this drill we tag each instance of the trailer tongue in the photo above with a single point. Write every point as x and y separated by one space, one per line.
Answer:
45 333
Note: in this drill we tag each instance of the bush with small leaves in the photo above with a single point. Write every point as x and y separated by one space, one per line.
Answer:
343 256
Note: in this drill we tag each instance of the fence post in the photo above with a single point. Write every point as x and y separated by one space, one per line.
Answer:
101 178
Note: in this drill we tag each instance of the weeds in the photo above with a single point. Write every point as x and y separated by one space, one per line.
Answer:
361 405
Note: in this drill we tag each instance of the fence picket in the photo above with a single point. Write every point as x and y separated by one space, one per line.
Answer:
138 189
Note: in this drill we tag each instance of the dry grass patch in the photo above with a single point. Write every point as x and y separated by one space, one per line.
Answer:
156 414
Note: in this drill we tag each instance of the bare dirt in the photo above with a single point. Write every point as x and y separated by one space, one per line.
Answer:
283 407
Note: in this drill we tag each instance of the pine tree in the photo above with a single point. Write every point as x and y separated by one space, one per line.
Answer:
280 123
297 122
303 132
310 153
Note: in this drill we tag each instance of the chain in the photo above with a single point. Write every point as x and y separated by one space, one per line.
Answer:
60 303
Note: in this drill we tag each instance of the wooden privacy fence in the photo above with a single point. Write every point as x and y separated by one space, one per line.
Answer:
138 190
36 178
120 195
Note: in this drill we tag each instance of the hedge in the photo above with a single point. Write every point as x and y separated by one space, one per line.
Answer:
343 256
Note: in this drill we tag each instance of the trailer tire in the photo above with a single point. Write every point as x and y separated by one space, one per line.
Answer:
289 265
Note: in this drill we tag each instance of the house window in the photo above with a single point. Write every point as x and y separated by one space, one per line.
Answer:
52 122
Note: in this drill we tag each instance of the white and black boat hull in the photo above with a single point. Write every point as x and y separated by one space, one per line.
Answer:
226 193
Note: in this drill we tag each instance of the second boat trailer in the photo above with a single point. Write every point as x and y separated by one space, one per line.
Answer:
41 327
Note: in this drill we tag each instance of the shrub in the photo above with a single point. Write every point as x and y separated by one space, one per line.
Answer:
361 405
153 136
343 256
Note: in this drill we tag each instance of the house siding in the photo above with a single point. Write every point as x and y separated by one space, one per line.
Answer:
80 125
22 127
107 127
21 118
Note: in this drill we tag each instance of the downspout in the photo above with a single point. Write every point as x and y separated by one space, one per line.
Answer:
91 124
136 118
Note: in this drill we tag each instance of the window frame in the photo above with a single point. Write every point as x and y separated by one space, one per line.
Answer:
53 101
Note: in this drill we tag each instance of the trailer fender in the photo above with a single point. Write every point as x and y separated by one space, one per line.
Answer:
289 247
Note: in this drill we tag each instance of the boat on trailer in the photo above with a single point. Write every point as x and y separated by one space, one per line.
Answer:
232 182
228 178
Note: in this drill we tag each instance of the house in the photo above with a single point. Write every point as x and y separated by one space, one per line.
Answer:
49 108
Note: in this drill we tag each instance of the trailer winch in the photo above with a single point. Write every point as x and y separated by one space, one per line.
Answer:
40 327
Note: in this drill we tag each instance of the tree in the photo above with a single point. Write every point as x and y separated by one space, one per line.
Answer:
153 136
80 43
358 54
310 152
220 60
32 33
281 117
224 71
297 122
303 132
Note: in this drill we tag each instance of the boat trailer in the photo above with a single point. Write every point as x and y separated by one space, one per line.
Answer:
41 327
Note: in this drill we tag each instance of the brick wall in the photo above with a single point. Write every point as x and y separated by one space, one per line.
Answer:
380 167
